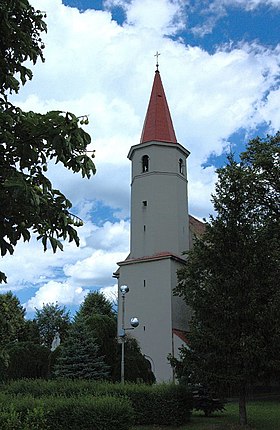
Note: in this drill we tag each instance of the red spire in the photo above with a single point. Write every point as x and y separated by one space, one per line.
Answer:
158 123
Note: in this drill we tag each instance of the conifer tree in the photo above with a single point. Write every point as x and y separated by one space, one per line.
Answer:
79 356
98 314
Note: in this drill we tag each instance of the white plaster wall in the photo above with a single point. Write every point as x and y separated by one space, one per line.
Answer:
162 225
151 299
152 304
181 313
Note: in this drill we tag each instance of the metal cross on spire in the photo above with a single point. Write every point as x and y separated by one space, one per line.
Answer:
157 54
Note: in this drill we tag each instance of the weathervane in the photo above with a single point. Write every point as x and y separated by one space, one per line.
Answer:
157 55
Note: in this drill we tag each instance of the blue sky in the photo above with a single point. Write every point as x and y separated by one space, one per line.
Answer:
219 65
208 26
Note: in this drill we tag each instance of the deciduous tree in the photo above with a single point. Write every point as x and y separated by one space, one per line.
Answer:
12 320
52 319
96 303
12 325
29 141
27 360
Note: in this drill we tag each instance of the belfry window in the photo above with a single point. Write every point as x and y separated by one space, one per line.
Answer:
181 170
145 163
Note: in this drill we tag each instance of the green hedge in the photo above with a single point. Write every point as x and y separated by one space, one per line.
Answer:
76 413
89 413
162 404
55 387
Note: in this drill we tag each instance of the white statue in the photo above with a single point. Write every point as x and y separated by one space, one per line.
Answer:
56 341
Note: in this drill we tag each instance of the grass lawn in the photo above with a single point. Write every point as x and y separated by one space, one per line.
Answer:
262 415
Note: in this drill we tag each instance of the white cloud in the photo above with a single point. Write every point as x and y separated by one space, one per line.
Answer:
160 15
92 264
110 236
111 293
203 183
95 66
94 270
269 111
164 16
61 292
250 4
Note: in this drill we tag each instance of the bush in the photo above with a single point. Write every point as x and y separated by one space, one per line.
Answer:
41 387
205 401
10 419
89 413
22 413
148 402
80 413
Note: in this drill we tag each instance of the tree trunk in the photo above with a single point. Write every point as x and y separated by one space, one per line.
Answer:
242 406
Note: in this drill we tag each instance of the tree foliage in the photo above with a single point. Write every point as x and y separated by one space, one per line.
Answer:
231 279
11 318
98 314
136 367
12 325
20 40
79 357
29 141
52 319
96 303
27 360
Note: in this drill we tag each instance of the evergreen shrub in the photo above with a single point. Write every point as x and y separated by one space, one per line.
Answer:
204 400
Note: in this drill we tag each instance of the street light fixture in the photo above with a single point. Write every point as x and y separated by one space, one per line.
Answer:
134 322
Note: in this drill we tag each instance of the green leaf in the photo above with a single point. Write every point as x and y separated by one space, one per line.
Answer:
3 277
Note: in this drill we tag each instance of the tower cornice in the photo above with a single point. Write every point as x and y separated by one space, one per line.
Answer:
159 256
157 143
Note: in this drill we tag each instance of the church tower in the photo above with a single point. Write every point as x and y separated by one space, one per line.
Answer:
159 236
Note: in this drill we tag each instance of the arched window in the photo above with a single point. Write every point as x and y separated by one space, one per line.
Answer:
145 163
181 170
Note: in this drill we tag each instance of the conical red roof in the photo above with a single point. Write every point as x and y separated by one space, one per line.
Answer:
158 123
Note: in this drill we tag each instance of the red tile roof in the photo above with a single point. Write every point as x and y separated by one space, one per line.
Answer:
158 123
181 334
197 227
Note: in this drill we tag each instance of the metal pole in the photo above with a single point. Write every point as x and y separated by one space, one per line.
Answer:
122 363
123 340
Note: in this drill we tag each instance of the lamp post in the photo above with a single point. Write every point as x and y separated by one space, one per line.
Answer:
133 322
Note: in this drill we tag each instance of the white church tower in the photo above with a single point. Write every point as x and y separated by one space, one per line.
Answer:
159 236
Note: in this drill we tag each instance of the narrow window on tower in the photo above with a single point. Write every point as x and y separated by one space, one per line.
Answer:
144 283
145 203
144 228
145 163
181 166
